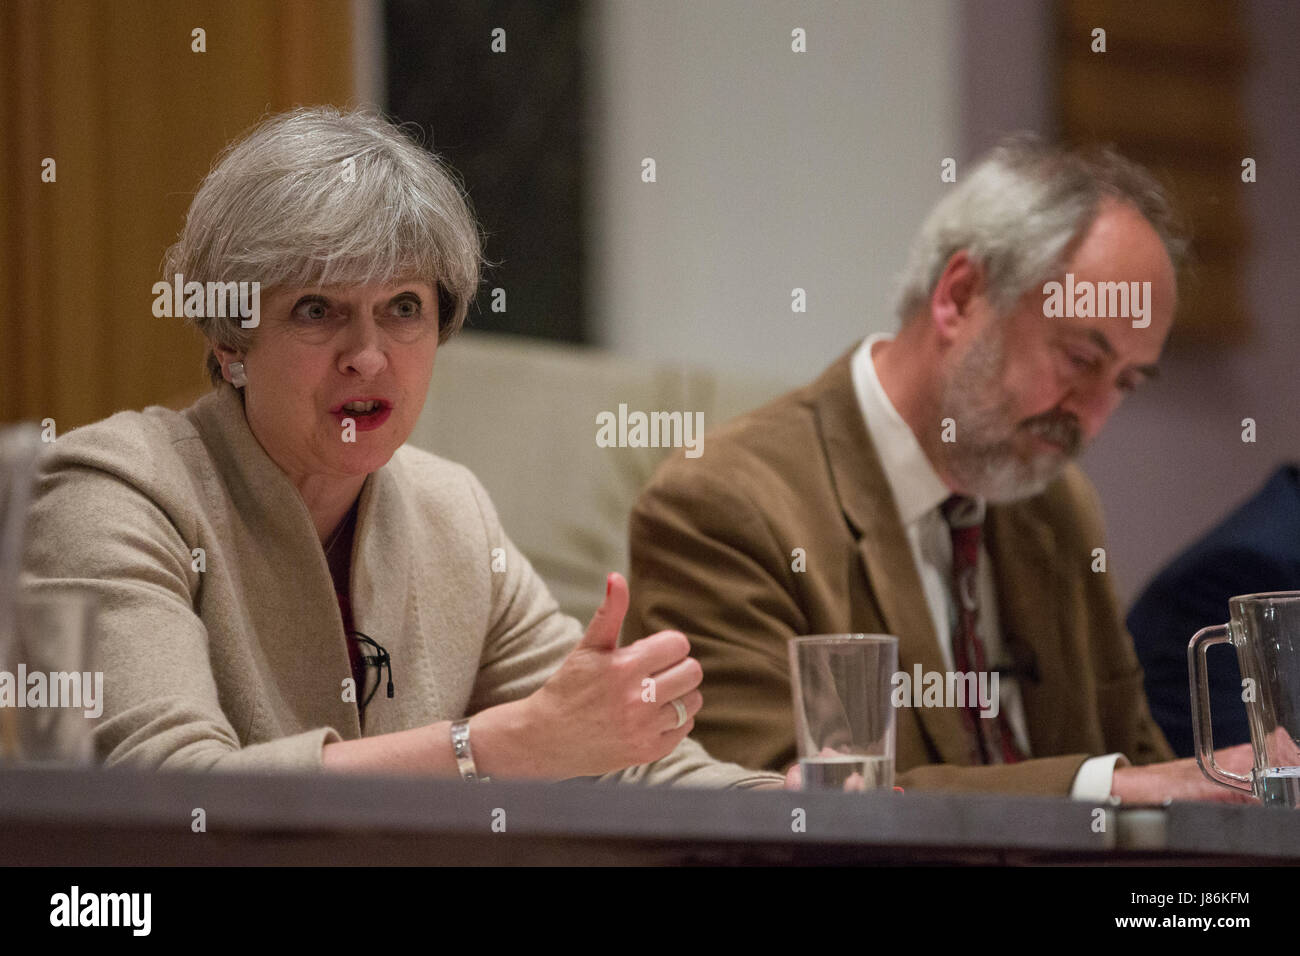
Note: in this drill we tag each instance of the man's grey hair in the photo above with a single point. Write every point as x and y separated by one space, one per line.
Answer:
283 207
1021 211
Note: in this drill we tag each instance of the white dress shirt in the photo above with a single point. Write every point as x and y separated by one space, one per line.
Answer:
919 492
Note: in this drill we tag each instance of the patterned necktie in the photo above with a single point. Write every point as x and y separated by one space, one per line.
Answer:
992 739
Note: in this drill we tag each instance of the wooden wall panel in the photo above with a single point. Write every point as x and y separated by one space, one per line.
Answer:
1167 92
134 119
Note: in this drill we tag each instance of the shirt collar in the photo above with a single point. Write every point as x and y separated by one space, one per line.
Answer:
917 488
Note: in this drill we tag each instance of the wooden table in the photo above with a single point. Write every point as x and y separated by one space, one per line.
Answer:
91 817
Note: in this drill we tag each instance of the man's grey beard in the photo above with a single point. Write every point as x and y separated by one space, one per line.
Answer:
983 458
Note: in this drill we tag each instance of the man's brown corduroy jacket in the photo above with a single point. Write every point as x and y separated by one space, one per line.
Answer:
712 540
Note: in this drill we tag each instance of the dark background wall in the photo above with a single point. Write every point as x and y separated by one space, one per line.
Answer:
511 124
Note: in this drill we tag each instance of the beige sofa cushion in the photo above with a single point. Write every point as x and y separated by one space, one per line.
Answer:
522 415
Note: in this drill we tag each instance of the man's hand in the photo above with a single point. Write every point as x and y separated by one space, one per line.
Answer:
609 707
1183 780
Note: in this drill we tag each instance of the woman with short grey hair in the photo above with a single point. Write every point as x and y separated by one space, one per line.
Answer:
282 582
329 198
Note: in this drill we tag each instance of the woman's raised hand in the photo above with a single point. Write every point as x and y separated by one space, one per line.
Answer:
609 707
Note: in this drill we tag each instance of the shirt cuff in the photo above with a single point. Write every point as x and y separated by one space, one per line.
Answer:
1093 781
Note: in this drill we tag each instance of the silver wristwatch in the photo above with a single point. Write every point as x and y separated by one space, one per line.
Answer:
464 755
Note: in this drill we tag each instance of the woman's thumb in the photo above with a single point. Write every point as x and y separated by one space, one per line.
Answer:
608 619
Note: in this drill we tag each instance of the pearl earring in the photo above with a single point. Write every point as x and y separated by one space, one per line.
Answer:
237 376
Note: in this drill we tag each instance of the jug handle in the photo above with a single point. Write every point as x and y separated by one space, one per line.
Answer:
1202 729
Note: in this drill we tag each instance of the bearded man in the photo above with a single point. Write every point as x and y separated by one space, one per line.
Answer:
924 487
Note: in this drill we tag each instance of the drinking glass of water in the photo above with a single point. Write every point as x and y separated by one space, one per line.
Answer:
50 690
844 721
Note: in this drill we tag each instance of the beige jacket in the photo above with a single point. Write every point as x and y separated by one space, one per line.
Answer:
240 665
